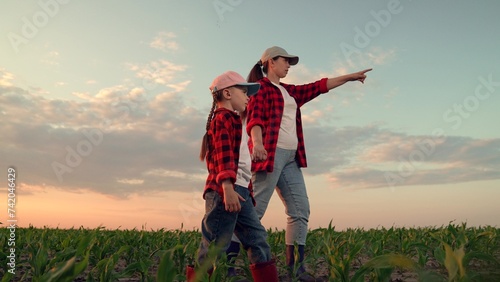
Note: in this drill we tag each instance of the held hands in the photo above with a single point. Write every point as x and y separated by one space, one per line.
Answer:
231 198
359 76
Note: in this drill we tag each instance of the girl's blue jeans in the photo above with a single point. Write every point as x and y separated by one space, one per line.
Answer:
218 226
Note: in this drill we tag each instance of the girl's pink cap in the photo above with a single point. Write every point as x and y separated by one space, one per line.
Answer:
231 78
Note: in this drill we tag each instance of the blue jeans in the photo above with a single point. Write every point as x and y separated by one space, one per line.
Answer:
289 182
218 225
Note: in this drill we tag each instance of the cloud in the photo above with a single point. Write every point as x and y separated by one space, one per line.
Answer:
378 56
372 57
60 84
124 140
373 157
164 42
375 56
6 78
133 181
51 58
109 141
161 72
315 116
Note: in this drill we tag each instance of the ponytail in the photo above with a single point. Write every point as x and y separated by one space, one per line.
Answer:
204 142
256 72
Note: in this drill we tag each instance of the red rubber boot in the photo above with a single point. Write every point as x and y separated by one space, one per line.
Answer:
264 271
190 273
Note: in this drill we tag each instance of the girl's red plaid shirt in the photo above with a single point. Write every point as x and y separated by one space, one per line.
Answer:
224 141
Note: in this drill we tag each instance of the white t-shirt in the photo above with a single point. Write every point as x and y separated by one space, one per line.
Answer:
244 172
287 137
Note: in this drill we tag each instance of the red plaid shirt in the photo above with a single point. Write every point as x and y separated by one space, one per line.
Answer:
265 109
224 139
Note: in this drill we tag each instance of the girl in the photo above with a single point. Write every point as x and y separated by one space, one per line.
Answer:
229 207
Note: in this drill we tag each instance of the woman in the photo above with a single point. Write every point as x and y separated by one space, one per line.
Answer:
277 144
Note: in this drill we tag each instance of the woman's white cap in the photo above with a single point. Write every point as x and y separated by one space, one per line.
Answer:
276 51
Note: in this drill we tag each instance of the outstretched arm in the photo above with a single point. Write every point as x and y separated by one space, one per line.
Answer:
339 80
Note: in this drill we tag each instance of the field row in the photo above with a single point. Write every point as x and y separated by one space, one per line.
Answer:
447 253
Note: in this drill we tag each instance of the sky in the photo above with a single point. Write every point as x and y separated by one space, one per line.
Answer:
103 105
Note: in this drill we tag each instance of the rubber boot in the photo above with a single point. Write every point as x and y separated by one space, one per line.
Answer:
190 273
290 257
232 252
264 271
300 272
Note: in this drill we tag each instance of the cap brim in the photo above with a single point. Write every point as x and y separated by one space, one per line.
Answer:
292 60
252 88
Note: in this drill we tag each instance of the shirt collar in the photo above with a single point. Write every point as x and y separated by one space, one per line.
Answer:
266 80
226 110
